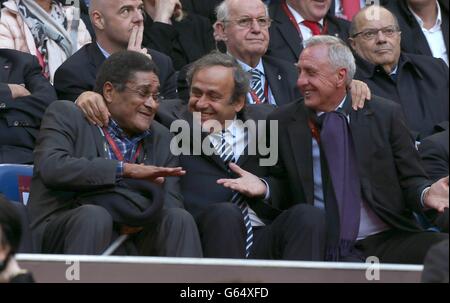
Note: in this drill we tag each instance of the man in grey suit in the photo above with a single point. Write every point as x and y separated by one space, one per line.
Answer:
92 184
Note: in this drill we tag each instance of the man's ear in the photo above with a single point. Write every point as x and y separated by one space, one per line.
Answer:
219 31
97 20
351 42
239 104
341 77
108 92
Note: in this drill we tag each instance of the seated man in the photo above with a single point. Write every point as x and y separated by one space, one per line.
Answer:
359 167
24 97
118 26
91 184
418 83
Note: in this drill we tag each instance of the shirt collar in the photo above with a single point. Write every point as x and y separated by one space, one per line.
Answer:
247 68
117 132
104 52
438 23
340 106
299 18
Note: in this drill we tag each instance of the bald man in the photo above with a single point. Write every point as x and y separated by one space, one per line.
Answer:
118 26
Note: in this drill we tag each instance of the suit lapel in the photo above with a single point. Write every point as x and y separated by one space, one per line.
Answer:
301 144
100 142
97 57
274 78
288 32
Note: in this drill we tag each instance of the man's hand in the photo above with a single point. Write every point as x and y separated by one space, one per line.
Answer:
151 173
165 9
247 184
94 108
135 42
437 195
18 90
360 93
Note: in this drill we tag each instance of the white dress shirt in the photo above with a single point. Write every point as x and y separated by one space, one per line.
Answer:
306 32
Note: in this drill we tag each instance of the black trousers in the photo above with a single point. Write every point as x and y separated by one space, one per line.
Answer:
396 246
88 229
296 234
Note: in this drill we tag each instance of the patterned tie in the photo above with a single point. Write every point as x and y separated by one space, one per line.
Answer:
257 87
313 26
226 154
350 8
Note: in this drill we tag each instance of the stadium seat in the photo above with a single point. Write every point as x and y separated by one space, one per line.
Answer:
15 181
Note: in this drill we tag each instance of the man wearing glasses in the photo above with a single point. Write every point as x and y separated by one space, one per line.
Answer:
418 83
93 183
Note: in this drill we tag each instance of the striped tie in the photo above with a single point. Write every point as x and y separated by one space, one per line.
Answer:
226 154
257 87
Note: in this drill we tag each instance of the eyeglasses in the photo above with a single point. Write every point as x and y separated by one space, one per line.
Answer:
146 94
247 22
370 34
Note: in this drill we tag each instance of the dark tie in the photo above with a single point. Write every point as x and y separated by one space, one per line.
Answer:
343 198
226 154
313 26
256 86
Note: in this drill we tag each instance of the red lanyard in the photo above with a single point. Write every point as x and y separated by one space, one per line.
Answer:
294 22
266 94
314 130
117 151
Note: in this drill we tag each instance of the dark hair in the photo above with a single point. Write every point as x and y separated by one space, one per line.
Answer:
121 67
10 225
215 58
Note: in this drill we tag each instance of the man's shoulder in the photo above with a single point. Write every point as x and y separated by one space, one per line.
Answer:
426 64
159 57
16 57
65 106
80 57
285 112
280 64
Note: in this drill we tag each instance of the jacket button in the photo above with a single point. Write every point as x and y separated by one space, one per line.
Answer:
2 105
16 123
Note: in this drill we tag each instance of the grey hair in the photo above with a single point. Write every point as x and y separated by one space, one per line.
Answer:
223 11
339 54
353 29
216 58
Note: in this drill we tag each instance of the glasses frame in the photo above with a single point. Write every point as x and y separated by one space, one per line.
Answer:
395 29
155 97
250 25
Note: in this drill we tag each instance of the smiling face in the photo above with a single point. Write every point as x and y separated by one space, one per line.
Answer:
212 89
312 10
134 108
381 50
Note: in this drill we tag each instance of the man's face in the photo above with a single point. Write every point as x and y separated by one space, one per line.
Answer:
381 48
120 16
134 108
244 42
318 79
312 10
211 92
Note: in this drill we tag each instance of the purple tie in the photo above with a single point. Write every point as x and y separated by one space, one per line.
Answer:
343 200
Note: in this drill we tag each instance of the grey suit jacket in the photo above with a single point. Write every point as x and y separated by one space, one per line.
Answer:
71 160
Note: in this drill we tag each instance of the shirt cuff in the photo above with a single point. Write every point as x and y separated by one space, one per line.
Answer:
422 196
119 170
267 196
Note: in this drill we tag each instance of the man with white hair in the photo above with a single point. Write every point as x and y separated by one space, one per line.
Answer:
359 167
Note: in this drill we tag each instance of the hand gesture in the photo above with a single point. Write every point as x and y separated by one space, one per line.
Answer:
247 184
437 195
165 9
360 93
94 108
151 173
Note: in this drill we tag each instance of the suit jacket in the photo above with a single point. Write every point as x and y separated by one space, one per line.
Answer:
205 8
421 89
413 39
434 153
184 42
286 43
199 185
281 75
78 73
71 160
391 176
20 118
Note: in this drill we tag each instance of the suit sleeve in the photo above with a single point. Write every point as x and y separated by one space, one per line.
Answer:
435 156
160 36
28 110
62 133
69 84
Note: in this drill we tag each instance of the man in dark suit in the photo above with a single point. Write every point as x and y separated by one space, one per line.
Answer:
294 21
118 26
185 37
369 194
247 42
24 96
91 183
424 26
218 90
418 83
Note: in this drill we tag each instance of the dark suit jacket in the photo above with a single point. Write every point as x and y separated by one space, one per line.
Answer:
285 42
184 42
199 185
434 153
77 74
413 39
281 75
205 8
20 118
71 160
391 176
421 89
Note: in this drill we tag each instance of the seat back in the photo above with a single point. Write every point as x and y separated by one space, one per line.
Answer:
15 181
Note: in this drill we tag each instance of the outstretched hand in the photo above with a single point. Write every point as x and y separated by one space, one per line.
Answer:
437 196
151 173
247 184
